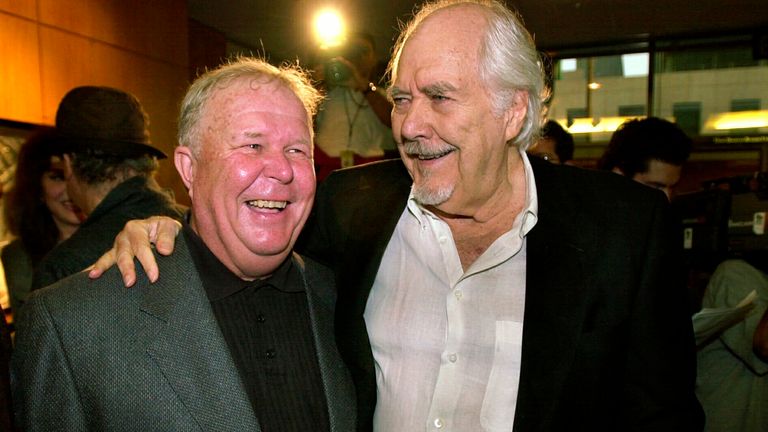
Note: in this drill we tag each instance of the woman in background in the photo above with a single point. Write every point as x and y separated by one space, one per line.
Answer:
38 212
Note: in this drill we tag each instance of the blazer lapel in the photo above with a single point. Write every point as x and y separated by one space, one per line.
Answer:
339 391
376 229
554 304
189 348
375 213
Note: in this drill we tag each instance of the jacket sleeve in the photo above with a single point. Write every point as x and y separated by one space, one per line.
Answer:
45 396
660 369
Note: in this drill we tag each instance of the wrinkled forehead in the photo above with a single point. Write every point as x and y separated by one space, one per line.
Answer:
452 30
247 107
255 97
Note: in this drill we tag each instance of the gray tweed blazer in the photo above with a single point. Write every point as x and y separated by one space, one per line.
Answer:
93 355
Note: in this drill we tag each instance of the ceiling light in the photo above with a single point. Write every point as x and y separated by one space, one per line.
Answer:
329 28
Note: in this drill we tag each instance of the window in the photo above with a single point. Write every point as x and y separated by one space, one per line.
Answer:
710 87
601 91
688 116
724 79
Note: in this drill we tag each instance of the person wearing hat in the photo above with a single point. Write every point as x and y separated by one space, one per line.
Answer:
109 165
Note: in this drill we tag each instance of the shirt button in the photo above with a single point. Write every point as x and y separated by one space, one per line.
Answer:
438 423
457 293
270 353
452 358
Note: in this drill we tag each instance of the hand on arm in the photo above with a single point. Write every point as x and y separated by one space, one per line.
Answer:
135 241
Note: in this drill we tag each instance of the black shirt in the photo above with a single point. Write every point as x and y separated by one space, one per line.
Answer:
267 328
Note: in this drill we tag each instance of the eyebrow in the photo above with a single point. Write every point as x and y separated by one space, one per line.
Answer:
395 91
253 134
259 135
437 88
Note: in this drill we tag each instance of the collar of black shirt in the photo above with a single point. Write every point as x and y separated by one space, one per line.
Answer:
220 282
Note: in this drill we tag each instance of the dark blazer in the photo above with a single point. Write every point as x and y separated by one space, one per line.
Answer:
93 355
135 198
607 339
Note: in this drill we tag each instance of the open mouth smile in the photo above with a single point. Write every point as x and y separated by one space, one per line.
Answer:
426 156
267 204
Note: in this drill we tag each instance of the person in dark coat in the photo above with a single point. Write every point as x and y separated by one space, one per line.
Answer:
109 164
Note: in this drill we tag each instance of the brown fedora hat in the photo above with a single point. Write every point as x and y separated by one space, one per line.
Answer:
105 120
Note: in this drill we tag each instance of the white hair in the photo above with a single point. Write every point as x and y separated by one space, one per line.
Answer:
509 62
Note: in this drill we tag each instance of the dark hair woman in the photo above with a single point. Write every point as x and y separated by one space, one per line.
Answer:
38 212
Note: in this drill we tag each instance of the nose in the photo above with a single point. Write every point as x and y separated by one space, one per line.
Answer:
278 166
414 120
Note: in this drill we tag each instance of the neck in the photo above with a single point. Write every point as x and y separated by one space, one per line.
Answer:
248 266
65 230
94 194
474 234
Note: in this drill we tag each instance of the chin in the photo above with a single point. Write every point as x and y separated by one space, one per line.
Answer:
270 247
432 196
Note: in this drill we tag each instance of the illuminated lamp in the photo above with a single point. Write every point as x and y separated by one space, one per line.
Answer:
737 120
329 28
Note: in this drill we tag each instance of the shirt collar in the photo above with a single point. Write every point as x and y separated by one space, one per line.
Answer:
530 210
220 282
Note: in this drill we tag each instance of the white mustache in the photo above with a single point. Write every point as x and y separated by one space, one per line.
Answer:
417 149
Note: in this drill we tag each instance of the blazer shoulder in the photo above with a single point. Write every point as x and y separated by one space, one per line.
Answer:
79 294
318 276
379 175
309 266
593 190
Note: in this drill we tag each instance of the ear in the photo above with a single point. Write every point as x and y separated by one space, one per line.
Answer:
515 114
185 160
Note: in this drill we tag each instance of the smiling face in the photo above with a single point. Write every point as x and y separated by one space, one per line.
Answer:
252 183
450 138
65 213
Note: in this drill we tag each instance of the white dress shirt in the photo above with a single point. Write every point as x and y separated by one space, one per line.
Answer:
447 343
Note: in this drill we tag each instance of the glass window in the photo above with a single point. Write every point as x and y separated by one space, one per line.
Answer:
715 87
593 95
727 82
688 116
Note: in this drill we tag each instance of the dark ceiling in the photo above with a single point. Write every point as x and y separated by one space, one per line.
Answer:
281 28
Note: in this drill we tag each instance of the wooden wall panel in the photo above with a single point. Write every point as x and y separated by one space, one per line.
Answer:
23 8
48 47
207 48
20 70
153 28
69 61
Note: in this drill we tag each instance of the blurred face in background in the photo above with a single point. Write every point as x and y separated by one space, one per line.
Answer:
364 58
65 214
660 175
